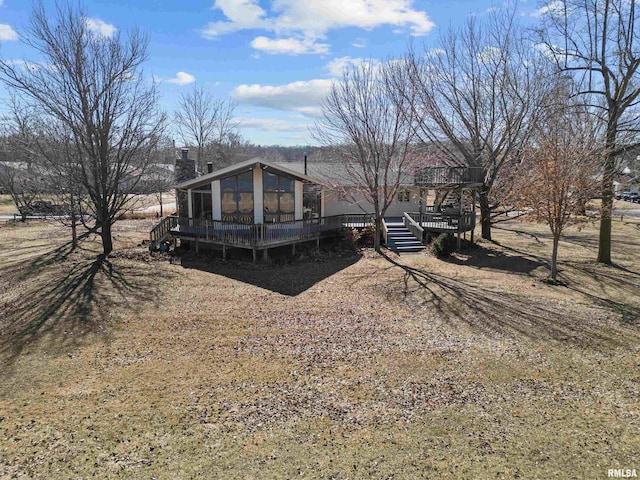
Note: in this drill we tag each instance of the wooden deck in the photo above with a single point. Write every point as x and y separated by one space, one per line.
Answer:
253 236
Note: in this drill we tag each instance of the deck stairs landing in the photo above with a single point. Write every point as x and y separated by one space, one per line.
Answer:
400 239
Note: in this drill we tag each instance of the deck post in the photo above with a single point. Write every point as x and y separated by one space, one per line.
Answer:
197 244
224 252
293 249
318 243
473 214
255 255
265 254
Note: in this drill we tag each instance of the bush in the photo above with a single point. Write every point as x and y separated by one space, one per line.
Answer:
443 246
367 235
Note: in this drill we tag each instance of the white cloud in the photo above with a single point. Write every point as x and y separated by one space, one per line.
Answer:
307 21
289 46
7 33
337 66
100 27
182 78
553 8
489 54
268 124
302 97
23 64
242 14
359 43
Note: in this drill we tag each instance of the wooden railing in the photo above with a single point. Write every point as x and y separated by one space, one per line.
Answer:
449 176
415 229
253 235
461 221
160 231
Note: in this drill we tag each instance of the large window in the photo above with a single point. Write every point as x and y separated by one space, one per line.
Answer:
201 204
279 198
237 198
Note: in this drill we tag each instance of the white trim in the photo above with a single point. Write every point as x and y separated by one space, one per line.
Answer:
190 203
298 212
258 197
254 163
216 200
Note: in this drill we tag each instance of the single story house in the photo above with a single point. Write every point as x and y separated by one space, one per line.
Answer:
257 204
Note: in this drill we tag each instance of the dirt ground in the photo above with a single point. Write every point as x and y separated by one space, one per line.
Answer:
339 364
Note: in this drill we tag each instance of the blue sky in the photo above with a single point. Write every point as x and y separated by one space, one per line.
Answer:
275 58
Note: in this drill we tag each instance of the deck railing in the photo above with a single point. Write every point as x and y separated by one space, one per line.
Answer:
411 225
161 230
254 235
449 176
462 221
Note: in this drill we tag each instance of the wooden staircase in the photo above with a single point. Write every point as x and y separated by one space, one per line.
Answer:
400 239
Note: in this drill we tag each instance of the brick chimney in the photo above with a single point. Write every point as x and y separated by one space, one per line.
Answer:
185 170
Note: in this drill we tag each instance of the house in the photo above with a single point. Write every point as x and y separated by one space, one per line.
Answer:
259 205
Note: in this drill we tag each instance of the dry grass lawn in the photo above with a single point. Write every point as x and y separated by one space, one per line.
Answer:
339 366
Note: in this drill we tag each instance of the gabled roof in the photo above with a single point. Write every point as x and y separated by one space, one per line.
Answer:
336 173
242 166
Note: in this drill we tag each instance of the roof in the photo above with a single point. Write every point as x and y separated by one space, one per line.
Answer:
246 165
336 173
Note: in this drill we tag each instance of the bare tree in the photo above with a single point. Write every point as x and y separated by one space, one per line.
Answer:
597 42
20 174
94 87
474 96
558 170
370 134
205 120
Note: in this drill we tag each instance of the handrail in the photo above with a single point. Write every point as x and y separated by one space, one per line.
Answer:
385 230
415 229
161 230
450 175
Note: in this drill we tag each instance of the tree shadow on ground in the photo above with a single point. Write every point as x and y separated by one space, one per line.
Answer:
66 295
611 286
291 278
499 312
485 257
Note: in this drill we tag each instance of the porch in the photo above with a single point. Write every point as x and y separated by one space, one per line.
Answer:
258 237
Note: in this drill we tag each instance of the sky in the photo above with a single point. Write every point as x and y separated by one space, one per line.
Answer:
276 59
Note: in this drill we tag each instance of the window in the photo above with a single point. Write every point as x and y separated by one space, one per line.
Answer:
201 204
236 198
279 198
404 195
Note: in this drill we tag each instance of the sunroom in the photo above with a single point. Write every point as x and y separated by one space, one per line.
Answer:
253 204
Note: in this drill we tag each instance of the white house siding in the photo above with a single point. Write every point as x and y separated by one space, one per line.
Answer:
333 205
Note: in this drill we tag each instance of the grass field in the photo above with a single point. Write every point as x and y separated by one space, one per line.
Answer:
339 365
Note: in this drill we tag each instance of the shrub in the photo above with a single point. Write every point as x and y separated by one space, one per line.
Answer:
367 236
443 246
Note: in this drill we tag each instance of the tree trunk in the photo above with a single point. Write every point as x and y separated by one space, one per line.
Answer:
161 205
74 231
107 241
554 257
485 215
604 241
376 238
